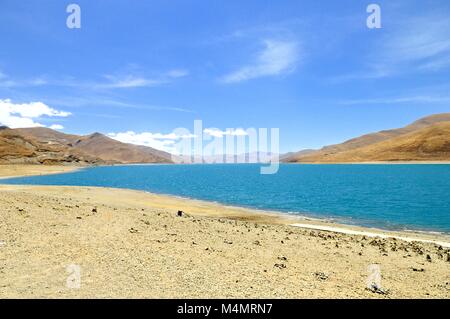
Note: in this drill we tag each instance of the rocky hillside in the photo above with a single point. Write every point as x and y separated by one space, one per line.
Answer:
46 146
18 149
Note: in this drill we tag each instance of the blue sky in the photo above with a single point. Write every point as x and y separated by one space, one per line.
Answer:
310 68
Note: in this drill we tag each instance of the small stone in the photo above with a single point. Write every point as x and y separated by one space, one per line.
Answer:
321 275
376 289
428 258
280 266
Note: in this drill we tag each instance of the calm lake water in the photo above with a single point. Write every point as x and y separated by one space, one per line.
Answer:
413 197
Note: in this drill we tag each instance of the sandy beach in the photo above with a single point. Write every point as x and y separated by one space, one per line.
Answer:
8 171
132 244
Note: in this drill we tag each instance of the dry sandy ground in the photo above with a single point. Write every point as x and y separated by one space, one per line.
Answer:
132 244
28 170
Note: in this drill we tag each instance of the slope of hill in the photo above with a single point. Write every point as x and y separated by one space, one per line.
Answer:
287 156
99 146
425 139
111 150
18 149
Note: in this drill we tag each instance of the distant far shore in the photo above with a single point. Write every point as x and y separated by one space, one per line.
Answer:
372 163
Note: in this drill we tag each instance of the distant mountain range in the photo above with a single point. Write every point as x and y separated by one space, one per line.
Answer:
427 139
46 146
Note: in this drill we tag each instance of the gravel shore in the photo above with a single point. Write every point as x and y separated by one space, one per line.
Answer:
134 245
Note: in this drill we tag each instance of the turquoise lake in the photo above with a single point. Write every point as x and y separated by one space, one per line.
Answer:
415 197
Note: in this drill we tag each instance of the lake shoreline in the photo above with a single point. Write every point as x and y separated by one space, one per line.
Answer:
241 212
22 170
132 244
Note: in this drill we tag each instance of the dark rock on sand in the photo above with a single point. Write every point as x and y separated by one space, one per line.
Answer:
376 289
321 275
280 266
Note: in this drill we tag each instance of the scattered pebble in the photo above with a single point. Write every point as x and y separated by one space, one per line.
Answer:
321 275
377 290
280 266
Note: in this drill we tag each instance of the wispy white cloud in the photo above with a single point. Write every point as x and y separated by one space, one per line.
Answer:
128 81
423 45
399 100
131 80
16 115
108 81
427 39
8 82
416 44
177 73
107 101
276 58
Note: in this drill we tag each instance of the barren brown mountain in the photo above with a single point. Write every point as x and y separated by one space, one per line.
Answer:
16 148
427 139
94 148
111 150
